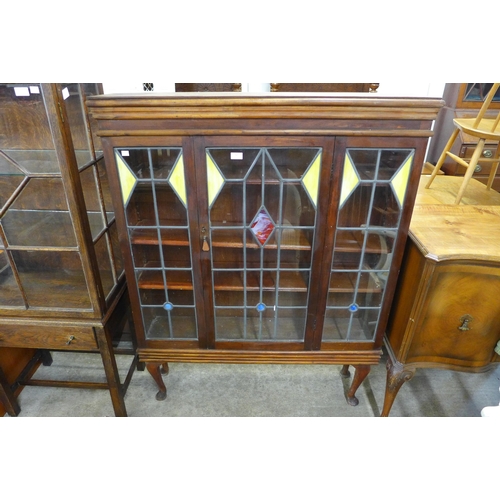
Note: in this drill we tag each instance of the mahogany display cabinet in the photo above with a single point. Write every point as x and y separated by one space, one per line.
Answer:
262 228
61 272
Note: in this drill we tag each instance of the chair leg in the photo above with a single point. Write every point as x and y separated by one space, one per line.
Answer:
470 169
440 162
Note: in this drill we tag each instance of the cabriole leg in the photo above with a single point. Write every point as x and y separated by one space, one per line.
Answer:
155 370
359 375
397 375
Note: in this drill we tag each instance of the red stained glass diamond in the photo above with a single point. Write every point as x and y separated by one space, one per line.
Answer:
262 226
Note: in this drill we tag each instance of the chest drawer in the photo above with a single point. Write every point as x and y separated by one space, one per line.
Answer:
484 167
47 337
460 319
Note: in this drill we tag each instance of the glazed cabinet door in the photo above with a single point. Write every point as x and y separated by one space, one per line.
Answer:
53 193
259 229
374 175
220 237
263 242
156 224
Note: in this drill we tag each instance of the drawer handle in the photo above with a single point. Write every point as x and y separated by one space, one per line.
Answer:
487 153
71 338
466 319
478 168
497 348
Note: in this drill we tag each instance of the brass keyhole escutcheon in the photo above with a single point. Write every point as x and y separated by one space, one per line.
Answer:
204 246
465 320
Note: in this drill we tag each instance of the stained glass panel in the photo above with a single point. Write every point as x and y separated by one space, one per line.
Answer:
262 219
374 185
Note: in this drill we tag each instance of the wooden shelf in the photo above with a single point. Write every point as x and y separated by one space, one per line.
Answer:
291 240
291 282
153 280
344 284
149 236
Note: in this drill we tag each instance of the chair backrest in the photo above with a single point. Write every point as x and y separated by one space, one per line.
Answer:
486 105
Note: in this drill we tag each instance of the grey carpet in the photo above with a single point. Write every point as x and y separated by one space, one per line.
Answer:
225 390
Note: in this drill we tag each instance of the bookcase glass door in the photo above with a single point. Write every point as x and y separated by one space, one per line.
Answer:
41 267
154 195
262 224
372 195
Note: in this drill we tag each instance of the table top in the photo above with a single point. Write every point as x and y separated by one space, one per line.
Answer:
444 231
444 189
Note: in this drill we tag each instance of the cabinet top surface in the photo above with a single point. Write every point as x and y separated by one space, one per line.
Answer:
208 97
444 231
227 102
228 113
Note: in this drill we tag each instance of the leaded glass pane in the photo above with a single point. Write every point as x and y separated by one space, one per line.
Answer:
270 215
175 247
290 324
137 160
373 189
227 209
159 236
140 210
171 210
179 323
390 161
163 161
386 210
146 255
234 164
356 209
292 163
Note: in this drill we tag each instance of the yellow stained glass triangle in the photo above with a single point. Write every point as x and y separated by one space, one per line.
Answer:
350 180
127 178
214 179
311 179
400 180
178 181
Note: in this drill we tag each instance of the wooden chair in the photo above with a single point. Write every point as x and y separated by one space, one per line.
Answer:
480 127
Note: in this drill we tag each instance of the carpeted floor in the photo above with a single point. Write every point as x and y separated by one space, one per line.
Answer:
224 390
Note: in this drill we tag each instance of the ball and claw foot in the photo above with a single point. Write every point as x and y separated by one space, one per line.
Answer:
360 374
155 370
161 395
353 401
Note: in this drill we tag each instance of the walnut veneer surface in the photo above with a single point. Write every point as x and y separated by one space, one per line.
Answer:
446 312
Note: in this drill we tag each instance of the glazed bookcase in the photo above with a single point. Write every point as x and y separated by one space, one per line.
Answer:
262 228
61 272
